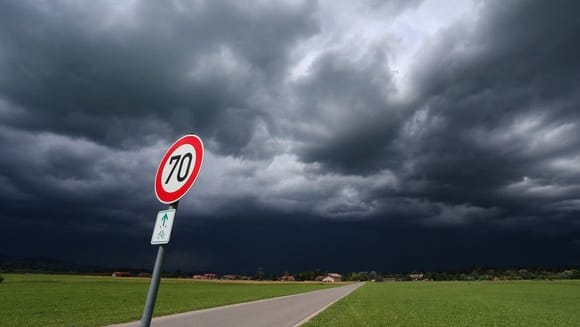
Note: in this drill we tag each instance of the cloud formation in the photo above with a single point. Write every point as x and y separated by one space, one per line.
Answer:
421 113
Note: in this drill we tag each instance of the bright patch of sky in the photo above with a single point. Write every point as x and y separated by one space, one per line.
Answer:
355 28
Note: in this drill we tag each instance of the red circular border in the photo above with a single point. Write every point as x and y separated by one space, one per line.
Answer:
171 197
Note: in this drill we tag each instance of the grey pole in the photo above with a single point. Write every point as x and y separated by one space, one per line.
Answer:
155 279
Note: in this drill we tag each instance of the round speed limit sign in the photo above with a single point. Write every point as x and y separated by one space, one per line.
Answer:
178 169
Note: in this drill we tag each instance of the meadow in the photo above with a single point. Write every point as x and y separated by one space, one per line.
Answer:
69 300
504 303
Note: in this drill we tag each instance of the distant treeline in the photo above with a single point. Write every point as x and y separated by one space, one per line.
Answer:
56 266
472 274
43 265
466 275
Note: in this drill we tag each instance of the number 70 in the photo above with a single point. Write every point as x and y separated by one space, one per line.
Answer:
181 174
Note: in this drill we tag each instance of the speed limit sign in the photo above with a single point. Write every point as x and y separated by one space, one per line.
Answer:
178 169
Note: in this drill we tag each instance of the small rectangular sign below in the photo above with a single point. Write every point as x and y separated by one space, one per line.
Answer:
163 227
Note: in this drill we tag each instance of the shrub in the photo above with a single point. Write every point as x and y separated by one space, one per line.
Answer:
1 278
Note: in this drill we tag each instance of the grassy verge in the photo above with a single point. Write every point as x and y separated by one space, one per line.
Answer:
59 300
523 303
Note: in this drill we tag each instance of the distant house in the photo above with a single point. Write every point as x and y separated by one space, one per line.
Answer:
205 276
147 275
319 278
229 277
121 274
415 277
287 278
332 278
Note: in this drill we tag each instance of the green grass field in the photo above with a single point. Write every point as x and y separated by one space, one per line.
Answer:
59 300
521 303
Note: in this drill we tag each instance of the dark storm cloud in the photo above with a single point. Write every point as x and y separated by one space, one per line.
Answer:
346 101
491 130
95 70
302 116
498 106
234 245
47 178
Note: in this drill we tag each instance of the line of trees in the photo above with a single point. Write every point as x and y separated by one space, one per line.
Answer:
466 275
527 273
510 274
472 274
363 276
300 276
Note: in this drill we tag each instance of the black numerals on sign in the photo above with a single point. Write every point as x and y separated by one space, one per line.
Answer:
181 173
186 171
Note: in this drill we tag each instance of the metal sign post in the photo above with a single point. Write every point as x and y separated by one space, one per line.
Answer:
175 175
155 279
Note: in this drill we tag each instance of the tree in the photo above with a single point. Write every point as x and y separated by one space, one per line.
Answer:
259 274
307 274
354 276
566 274
1 278
510 273
363 276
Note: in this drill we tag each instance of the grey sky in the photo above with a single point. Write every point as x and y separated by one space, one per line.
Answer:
430 114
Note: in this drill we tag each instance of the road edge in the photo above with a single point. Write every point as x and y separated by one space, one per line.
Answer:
317 312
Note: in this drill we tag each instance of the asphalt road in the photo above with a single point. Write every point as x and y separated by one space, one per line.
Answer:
292 310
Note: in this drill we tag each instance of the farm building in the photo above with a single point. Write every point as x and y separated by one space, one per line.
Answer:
205 276
415 277
332 278
287 278
121 274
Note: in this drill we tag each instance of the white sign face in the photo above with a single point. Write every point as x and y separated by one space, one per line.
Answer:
163 227
178 169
